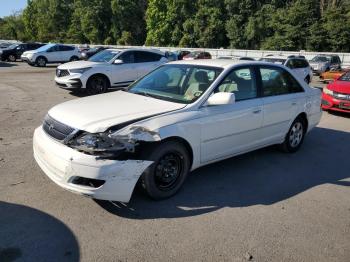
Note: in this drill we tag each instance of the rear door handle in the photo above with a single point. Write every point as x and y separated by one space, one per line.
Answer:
256 111
294 103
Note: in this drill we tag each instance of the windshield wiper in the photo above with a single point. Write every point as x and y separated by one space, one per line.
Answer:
143 93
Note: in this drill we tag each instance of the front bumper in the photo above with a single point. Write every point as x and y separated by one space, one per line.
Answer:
69 82
26 59
63 165
331 103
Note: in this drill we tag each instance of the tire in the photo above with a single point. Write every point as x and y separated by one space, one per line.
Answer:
307 80
167 174
97 84
295 136
41 61
74 58
12 58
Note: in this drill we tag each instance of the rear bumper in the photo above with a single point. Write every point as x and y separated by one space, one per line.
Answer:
331 103
63 165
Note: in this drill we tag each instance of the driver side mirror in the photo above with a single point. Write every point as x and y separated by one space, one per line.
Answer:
221 98
118 62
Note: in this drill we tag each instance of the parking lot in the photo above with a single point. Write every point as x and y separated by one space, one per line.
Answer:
261 206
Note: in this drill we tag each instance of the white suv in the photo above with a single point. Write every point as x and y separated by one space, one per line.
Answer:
109 68
299 65
51 53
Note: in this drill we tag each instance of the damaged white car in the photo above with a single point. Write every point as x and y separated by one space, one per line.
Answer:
181 116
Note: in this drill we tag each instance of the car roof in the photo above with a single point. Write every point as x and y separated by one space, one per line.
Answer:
138 49
223 63
275 57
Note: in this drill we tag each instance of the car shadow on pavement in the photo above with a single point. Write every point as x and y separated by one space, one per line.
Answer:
338 113
5 64
262 177
27 234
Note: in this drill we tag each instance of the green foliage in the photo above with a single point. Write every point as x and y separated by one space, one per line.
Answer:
322 25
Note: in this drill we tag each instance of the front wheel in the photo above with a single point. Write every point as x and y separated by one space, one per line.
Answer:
168 172
41 61
295 136
97 85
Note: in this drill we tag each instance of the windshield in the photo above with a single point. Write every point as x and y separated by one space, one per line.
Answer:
280 61
104 56
176 83
345 77
194 54
13 46
321 59
45 47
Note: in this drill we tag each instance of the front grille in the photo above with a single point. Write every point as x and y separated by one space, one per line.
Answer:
56 129
341 96
62 72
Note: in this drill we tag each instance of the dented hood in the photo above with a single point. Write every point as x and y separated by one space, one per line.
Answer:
98 113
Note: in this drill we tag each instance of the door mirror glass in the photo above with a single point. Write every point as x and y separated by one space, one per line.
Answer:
118 62
221 98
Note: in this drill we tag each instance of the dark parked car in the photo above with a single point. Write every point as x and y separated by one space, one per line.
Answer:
181 54
197 55
14 52
86 54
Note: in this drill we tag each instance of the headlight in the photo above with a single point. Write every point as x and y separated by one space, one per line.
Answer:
79 70
100 144
327 91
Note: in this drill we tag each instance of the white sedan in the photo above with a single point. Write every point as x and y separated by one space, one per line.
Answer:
182 116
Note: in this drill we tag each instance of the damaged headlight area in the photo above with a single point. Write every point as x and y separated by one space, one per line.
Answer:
101 144
110 145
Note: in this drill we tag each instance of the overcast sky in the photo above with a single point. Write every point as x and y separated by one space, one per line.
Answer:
7 7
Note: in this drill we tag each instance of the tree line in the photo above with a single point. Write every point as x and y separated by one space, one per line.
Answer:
314 25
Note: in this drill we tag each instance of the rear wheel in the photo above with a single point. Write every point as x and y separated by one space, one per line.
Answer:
97 85
41 61
168 172
73 58
295 136
12 58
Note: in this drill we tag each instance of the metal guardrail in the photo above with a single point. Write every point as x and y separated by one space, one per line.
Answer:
256 54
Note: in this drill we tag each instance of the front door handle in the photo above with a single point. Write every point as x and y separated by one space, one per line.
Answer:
256 111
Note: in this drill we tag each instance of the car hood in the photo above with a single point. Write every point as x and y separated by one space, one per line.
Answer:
340 87
80 64
100 112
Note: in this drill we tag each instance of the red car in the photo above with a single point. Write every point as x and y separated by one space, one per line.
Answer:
336 95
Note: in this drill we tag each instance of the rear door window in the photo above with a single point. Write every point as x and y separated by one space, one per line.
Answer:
277 81
66 48
145 57
127 57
